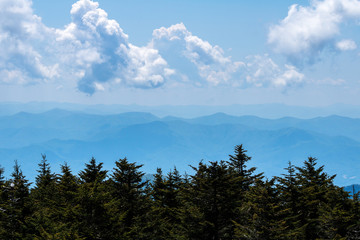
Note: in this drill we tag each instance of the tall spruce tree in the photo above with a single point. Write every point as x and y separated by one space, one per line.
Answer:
237 163
44 201
67 186
262 214
15 206
92 197
129 203
313 184
288 188
210 203
166 206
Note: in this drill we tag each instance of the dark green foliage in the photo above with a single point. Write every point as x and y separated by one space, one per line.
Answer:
165 213
128 204
210 194
221 200
262 216
92 218
44 196
15 206
92 173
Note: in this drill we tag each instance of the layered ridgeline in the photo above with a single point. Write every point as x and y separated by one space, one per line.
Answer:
166 142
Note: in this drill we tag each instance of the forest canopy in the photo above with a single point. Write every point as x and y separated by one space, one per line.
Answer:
220 200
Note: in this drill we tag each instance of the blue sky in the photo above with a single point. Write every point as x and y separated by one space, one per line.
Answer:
180 52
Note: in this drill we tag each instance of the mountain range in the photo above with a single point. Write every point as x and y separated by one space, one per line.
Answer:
166 142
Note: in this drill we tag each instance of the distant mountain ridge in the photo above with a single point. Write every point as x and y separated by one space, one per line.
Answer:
274 110
166 142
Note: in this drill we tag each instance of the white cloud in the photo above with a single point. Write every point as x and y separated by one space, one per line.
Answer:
94 52
101 47
306 31
347 177
210 61
346 45
262 71
22 38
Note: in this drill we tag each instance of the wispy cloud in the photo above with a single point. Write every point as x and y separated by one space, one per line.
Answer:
346 45
210 61
263 71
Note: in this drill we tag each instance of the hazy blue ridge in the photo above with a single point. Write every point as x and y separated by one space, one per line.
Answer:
274 110
171 141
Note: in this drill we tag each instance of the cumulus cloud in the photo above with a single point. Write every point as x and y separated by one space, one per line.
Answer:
306 31
22 38
346 45
101 49
94 52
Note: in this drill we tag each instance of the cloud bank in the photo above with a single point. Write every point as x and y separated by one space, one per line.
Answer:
306 31
95 53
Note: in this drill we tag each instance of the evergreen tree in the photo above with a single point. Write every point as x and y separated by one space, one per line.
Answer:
129 203
67 187
165 212
208 216
92 172
242 179
237 163
3 199
15 207
92 218
44 198
262 214
290 196
2 177
313 184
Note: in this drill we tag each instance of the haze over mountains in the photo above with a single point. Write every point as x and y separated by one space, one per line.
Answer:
275 110
166 142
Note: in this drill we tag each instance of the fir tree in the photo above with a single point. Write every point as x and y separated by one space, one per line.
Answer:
129 203
44 201
92 172
67 187
15 207
313 185
290 196
212 203
262 214
93 221
237 163
165 212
